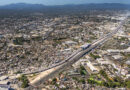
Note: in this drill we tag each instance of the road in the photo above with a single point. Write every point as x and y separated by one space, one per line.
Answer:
54 70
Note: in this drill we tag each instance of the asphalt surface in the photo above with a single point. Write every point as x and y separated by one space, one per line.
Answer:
57 68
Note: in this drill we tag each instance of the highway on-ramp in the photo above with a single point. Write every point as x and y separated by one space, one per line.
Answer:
57 68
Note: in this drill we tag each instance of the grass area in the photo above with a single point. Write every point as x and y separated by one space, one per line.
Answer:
103 73
89 41
110 83
81 80
94 56
92 81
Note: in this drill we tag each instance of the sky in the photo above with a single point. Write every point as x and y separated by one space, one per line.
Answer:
62 2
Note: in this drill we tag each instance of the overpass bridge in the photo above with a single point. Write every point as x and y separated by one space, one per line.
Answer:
57 68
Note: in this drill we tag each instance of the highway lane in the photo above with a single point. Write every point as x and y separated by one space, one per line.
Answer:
51 72
105 37
60 63
54 71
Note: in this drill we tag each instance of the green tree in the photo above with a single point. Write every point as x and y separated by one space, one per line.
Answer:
54 81
128 84
82 81
82 70
94 56
25 81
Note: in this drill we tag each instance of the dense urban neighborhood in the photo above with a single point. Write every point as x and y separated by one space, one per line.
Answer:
32 43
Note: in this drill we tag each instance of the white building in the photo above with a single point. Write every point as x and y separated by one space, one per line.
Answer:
102 61
128 62
70 43
117 57
118 51
92 67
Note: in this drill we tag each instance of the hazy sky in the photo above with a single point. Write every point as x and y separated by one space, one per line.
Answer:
62 2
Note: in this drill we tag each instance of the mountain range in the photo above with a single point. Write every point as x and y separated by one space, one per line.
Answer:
26 9
22 6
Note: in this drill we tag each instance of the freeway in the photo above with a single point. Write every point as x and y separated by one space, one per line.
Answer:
53 70
103 39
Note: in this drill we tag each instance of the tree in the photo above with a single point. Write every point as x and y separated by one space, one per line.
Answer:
82 81
103 73
54 81
128 84
82 70
24 80
94 56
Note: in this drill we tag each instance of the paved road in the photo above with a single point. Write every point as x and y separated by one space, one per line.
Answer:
54 70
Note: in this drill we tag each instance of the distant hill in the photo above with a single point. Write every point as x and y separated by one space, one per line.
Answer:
23 6
20 6
25 9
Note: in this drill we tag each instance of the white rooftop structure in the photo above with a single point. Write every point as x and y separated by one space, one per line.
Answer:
68 49
128 76
118 51
4 87
70 42
116 67
92 67
102 61
117 57
128 62
124 72
3 78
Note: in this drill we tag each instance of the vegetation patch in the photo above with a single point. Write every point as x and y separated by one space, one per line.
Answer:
24 80
94 56
82 70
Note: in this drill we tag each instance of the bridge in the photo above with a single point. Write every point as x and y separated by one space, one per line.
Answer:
57 68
